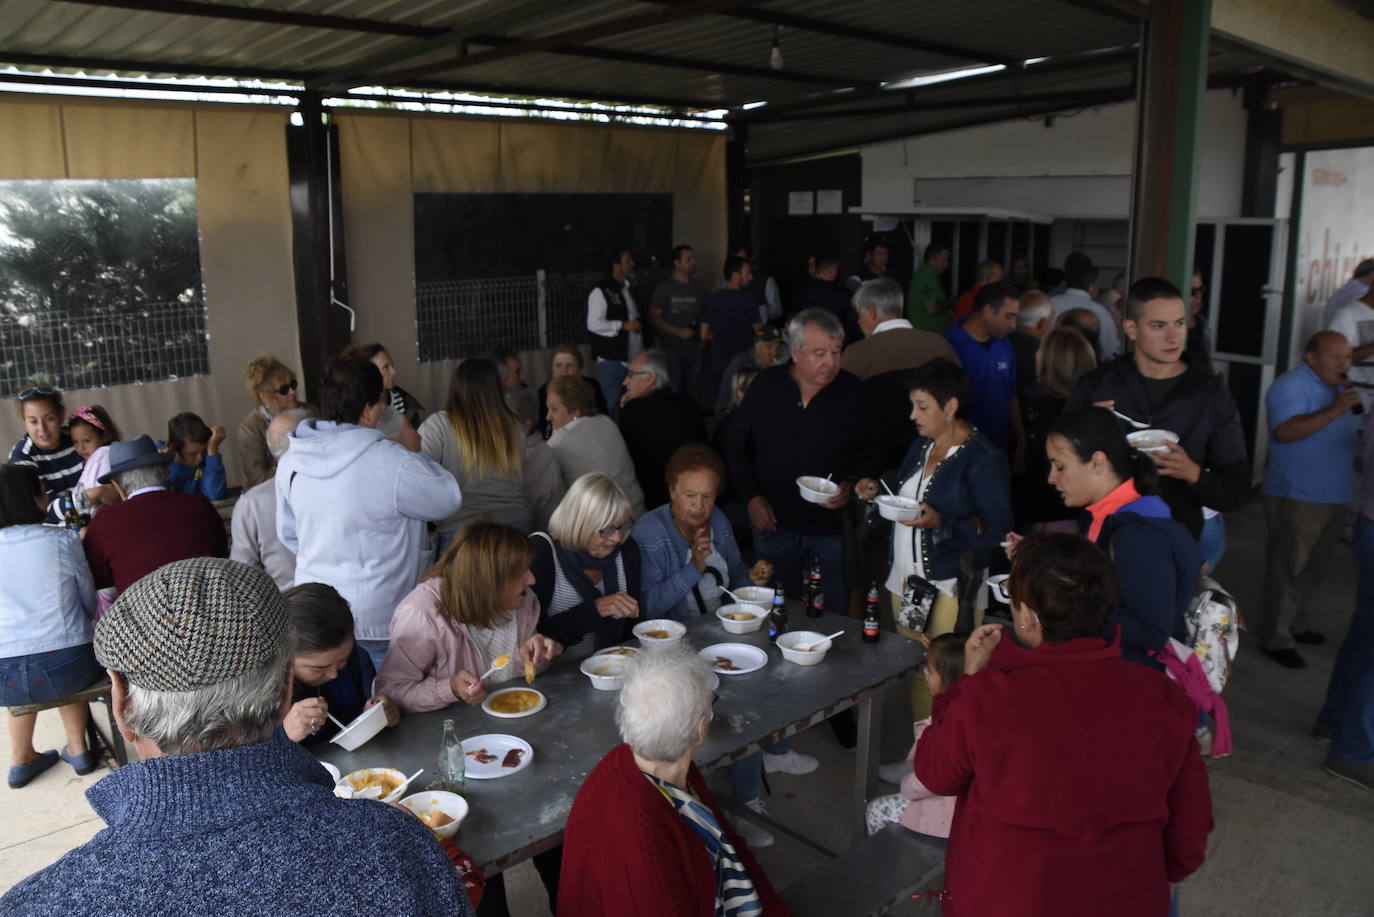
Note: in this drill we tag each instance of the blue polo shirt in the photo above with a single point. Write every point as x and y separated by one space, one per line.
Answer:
1319 468
991 367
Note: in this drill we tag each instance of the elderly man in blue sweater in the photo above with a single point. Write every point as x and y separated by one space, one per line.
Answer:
223 814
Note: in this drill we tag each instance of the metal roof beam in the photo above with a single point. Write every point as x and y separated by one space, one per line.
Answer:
618 26
29 59
914 106
269 16
857 33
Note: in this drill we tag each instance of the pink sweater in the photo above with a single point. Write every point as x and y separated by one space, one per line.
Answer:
425 652
925 812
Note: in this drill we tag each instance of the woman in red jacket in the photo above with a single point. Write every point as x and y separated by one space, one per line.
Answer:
644 835
1081 789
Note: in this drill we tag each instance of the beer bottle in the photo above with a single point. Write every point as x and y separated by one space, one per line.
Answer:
815 600
777 616
873 625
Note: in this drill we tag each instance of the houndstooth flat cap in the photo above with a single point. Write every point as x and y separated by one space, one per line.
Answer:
192 624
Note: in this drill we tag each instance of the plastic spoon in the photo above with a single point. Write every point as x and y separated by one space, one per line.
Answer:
1135 423
497 664
335 720
403 786
815 643
886 488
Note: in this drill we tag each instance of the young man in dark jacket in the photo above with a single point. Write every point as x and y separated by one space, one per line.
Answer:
1209 465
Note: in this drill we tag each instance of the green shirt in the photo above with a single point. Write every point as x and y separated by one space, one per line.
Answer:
926 288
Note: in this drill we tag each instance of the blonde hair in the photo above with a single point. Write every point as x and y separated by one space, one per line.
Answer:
263 369
577 396
474 570
1065 356
593 502
489 437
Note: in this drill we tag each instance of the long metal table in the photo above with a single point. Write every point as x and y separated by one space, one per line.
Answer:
513 818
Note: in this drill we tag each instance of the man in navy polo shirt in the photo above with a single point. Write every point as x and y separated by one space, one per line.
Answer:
987 355
1310 480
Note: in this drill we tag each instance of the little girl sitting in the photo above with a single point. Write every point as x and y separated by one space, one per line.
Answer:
196 466
92 431
915 807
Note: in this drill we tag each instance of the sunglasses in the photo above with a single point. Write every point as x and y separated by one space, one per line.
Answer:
37 391
610 531
287 387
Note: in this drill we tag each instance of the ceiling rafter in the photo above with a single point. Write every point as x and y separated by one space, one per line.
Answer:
269 16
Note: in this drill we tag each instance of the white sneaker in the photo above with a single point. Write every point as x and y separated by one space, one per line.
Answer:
894 773
790 762
753 835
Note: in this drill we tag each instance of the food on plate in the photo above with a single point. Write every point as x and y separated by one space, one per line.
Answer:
481 756
724 664
387 783
500 662
618 651
739 617
436 818
514 701
512 758
656 634
529 675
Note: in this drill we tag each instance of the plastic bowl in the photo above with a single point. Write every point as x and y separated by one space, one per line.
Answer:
349 782
898 509
758 614
333 771
794 638
606 673
755 595
815 489
361 731
1152 440
451 804
675 630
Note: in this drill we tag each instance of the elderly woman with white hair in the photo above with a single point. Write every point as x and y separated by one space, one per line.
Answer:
645 835
587 568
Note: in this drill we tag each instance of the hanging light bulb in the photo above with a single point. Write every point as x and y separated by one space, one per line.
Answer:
775 58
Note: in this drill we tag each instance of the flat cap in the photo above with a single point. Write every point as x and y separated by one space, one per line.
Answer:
192 624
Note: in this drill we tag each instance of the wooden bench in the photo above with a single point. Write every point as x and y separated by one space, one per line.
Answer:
98 742
872 876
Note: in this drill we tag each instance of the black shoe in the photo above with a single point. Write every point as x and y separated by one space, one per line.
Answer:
1358 774
1322 733
1289 659
1310 638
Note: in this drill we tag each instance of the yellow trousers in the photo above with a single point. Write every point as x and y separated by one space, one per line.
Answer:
943 616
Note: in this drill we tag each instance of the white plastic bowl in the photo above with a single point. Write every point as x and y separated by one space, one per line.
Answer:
333 771
451 804
816 489
348 782
1152 440
361 731
755 595
794 638
758 612
606 673
898 509
676 630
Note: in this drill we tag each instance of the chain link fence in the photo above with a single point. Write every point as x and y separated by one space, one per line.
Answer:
154 342
464 318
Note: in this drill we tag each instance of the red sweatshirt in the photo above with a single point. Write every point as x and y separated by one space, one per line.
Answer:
627 853
1081 790
129 540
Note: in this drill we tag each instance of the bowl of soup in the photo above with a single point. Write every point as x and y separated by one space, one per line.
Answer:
816 489
792 644
898 509
441 811
381 783
606 673
659 632
741 619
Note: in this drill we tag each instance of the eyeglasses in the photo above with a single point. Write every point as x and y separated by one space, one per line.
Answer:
611 531
38 391
287 387
638 372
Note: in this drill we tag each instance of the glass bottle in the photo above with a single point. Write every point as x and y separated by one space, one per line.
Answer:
452 776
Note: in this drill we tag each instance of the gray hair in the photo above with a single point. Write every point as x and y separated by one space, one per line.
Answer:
139 478
882 294
656 362
593 502
278 435
241 711
823 319
1035 308
663 699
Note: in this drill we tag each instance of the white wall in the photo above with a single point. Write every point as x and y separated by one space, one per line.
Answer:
1080 167
1335 230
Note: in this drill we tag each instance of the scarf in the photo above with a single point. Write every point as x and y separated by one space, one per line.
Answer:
735 895
610 574
1124 493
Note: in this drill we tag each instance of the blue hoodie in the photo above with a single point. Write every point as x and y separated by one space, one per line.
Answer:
353 505
1159 563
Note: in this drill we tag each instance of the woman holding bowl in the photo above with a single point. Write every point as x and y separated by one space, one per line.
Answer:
960 480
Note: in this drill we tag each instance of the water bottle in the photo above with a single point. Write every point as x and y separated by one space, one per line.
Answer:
452 776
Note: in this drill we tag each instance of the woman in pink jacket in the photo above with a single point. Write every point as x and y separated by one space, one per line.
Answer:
473 606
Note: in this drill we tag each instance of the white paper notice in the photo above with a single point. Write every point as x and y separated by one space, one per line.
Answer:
830 201
800 203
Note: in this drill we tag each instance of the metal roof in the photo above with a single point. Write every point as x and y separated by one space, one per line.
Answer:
691 55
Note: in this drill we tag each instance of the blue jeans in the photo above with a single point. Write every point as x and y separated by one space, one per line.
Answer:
1349 709
684 366
787 552
41 677
746 774
612 374
376 651
1212 542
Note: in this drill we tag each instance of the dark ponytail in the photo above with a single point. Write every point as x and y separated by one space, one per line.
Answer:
1095 429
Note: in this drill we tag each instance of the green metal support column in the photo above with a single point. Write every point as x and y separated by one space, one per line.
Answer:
1173 78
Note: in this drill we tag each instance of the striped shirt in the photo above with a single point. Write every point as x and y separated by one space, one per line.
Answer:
59 469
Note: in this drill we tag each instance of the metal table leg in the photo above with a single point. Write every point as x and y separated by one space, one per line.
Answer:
870 713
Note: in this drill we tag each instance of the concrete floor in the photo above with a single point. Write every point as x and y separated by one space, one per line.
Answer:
1289 838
